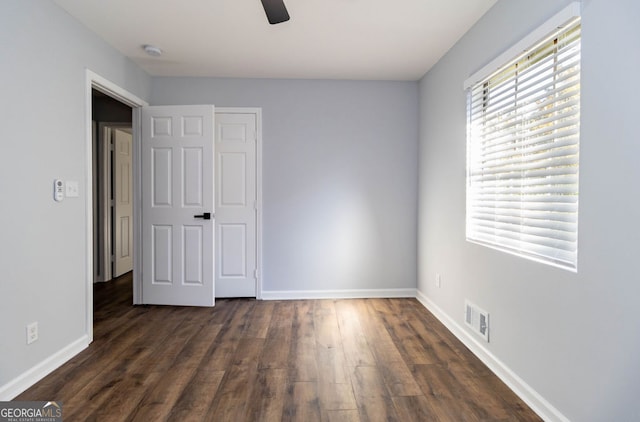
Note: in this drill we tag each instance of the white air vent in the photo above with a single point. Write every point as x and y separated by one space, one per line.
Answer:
477 319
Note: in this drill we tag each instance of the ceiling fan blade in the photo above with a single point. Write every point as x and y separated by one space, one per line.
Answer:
276 11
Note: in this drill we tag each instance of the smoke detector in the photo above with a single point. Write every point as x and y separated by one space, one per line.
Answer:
152 50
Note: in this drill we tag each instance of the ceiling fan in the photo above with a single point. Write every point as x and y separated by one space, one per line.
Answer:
276 11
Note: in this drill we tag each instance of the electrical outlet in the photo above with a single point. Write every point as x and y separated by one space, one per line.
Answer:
32 332
438 281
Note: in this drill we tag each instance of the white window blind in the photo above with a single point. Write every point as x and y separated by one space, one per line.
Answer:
523 149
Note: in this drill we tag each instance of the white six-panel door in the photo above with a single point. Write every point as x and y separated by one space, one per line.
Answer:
122 202
236 206
177 186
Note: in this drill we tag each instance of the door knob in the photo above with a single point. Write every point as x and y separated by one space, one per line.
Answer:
204 216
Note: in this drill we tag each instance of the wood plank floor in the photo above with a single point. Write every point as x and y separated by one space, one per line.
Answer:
247 360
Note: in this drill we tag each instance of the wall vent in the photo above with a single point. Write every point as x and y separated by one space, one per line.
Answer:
477 319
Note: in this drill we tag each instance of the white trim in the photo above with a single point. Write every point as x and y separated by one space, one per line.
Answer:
258 113
93 80
25 380
136 128
571 11
537 403
114 91
337 294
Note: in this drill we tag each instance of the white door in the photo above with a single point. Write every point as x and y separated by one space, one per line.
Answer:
177 197
236 206
122 203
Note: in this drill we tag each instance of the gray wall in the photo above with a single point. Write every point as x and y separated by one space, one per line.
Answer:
42 119
339 177
574 338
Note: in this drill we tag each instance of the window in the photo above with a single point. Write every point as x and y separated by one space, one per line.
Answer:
523 152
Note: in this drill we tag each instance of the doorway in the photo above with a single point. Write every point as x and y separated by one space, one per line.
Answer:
112 187
96 82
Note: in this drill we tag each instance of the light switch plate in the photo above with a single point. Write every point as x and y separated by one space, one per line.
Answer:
72 189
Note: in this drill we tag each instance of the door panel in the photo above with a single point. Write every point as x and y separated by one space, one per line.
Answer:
233 175
162 245
177 186
233 256
192 167
236 192
123 202
162 175
193 255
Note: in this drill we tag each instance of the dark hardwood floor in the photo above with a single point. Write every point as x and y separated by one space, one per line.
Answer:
247 360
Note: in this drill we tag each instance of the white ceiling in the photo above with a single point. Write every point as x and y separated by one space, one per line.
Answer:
325 39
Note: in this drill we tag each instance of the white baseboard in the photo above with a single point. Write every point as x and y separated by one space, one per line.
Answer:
538 404
41 370
336 294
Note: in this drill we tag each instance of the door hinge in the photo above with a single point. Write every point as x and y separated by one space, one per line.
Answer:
255 274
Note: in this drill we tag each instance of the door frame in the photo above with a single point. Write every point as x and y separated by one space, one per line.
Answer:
95 81
257 111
